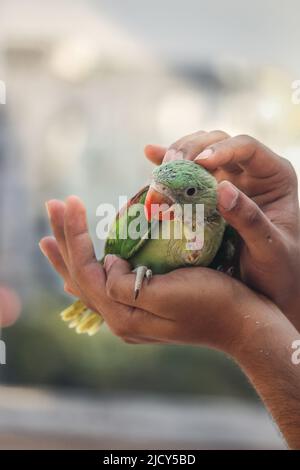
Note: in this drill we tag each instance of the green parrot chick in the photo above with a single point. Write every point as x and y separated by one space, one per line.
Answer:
180 183
174 184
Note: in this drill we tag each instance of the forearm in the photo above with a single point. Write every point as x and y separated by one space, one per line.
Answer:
292 310
266 358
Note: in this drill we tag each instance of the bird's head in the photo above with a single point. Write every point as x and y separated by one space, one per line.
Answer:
179 182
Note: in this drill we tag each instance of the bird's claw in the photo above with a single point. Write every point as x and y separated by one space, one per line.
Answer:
141 273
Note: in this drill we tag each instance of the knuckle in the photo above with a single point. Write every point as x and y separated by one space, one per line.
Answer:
112 289
124 330
288 249
186 147
176 145
252 215
219 133
197 135
131 326
67 223
246 139
284 250
72 230
290 170
77 270
186 142
69 289
120 331
173 147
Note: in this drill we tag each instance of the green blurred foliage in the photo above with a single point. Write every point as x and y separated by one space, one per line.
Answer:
41 350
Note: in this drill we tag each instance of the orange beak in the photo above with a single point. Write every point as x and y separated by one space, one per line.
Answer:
157 206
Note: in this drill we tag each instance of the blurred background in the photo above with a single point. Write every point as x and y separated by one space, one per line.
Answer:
88 84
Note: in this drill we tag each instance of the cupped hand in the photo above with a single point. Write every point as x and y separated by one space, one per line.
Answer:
258 195
190 305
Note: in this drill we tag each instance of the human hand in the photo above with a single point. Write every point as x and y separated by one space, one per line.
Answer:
179 307
258 195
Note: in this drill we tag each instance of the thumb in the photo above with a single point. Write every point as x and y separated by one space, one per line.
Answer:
155 153
120 283
248 219
119 279
113 263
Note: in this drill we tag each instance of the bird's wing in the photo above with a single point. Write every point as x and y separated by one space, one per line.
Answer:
119 241
227 257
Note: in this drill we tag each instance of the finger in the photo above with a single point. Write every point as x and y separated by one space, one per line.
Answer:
83 265
246 152
49 248
142 324
259 234
76 293
56 210
155 153
155 296
177 150
190 146
138 326
56 213
87 272
169 295
120 284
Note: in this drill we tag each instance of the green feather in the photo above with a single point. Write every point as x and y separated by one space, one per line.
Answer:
126 247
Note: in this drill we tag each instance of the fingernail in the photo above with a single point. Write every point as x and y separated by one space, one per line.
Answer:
109 261
173 154
205 154
227 195
42 250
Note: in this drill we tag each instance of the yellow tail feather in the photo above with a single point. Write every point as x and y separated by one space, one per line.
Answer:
82 319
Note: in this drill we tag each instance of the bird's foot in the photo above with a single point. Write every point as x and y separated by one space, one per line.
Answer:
141 273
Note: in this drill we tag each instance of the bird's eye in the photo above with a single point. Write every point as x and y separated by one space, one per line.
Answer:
190 191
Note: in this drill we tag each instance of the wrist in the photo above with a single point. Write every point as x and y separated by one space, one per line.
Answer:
291 310
259 327
270 335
